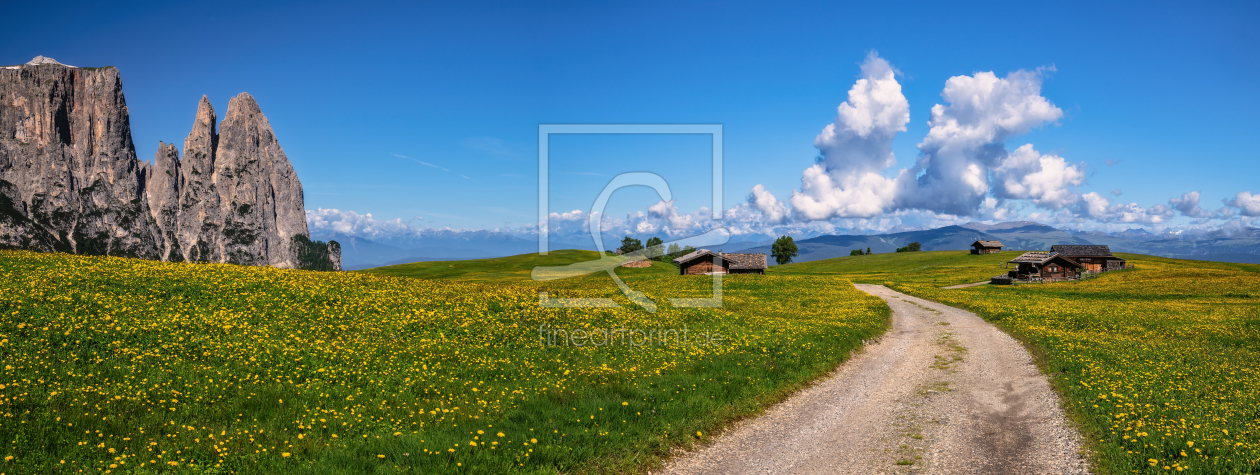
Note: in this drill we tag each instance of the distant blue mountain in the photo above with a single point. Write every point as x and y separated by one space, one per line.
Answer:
361 253
1241 246
440 245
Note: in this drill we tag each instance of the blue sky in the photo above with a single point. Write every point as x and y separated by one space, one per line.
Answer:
432 111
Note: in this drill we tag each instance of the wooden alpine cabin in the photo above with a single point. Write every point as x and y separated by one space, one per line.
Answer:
706 262
986 247
1045 267
1093 258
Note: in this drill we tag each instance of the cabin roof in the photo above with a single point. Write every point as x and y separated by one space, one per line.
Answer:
746 261
1041 258
1081 250
736 261
696 254
983 243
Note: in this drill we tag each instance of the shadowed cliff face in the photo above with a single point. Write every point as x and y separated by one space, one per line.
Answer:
68 164
70 180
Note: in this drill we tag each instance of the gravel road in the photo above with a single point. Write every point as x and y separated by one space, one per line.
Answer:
942 392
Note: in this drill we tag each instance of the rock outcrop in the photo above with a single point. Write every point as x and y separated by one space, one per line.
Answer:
70 180
68 169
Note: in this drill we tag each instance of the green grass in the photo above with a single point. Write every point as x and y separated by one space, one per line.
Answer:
1165 354
130 365
939 268
512 269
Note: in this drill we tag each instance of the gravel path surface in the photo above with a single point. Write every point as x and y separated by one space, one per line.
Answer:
963 286
942 392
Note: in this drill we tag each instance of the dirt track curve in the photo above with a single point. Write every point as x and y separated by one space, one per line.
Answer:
943 392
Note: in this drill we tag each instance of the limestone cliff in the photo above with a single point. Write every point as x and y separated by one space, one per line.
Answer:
70 180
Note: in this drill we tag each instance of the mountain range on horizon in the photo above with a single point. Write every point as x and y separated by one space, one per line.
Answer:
1242 246
361 252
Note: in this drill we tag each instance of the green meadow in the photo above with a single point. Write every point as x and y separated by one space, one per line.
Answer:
130 366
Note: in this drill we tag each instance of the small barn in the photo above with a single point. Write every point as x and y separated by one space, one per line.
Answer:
986 247
1094 258
1044 266
706 262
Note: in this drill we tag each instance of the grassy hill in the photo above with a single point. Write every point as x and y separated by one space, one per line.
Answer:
132 366
1023 235
934 267
512 269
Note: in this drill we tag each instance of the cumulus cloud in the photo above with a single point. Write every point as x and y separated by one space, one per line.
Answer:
1099 208
825 195
671 221
855 149
961 155
1188 205
662 219
965 139
1246 203
1044 179
964 170
770 207
351 223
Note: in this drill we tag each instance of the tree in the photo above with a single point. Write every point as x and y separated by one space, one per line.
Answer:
913 247
314 255
654 247
855 252
868 251
783 250
674 250
630 244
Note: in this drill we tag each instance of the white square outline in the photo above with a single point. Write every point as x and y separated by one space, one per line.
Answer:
544 134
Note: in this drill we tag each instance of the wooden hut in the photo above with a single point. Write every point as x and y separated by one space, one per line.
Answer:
706 262
1044 266
1093 258
986 247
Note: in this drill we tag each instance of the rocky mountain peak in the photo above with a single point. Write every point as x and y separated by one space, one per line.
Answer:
70 180
45 60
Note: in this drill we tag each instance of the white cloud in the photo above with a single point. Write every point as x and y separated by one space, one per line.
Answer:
769 206
825 195
1044 179
965 139
1099 208
964 169
1247 203
855 149
349 222
674 223
1188 205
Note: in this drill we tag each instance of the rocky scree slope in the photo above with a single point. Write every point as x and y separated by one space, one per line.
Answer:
70 180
